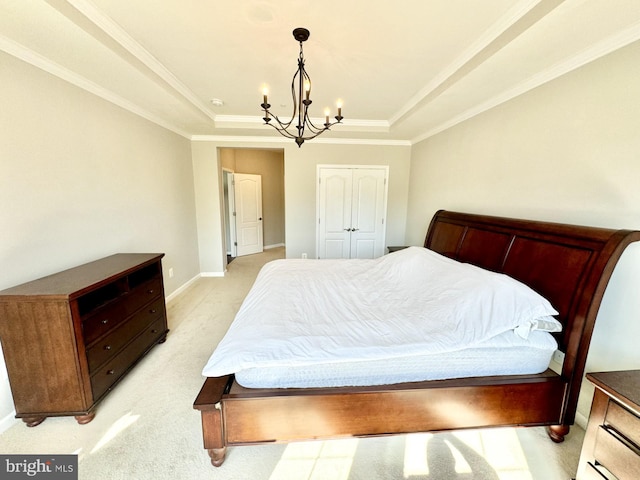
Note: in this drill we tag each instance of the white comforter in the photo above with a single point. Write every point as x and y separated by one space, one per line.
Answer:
414 301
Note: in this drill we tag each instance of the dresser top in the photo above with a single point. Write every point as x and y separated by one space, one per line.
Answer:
622 385
76 281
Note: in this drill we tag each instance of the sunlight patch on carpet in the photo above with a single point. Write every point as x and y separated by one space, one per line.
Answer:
493 453
118 426
316 460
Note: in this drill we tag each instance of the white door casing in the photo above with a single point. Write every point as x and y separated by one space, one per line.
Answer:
248 203
351 211
230 209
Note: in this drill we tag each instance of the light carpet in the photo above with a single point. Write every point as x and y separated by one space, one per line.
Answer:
146 427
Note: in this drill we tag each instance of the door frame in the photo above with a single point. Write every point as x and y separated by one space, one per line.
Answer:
229 209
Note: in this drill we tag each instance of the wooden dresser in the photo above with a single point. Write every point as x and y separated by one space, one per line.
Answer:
611 448
69 337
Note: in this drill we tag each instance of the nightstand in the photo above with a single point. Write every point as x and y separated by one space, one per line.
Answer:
396 248
611 448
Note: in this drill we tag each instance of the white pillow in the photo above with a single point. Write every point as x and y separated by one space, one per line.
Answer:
545 324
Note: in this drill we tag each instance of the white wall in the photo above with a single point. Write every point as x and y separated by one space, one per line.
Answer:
299 192
568 151
81 179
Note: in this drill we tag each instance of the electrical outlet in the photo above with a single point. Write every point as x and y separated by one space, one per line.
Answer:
304 255
171 273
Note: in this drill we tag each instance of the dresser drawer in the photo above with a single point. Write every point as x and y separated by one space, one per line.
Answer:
624 421
111 371
616 455
109 345
593 472
110 315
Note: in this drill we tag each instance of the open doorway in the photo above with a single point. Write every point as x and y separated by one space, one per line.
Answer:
268 164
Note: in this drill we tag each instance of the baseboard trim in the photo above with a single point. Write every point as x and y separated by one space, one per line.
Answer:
9 421
581 420
181 289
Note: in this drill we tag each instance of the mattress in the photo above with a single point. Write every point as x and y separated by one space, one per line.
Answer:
505 354
327 322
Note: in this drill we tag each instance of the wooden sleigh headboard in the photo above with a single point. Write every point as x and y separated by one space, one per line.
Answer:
567 264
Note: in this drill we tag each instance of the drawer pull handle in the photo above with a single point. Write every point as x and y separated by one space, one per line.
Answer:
110 372
107 347
105 321
153 310
154 331
150 291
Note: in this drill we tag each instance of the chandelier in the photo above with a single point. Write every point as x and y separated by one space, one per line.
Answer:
301 102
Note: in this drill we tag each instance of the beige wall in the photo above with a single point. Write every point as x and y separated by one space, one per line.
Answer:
568 151
269 164
207 182
81 179
299 191
300 188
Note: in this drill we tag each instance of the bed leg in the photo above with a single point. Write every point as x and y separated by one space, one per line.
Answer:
558 432
213 436
217 455
209 403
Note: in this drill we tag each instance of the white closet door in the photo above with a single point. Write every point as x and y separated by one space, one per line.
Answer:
335 213
351 212
367 213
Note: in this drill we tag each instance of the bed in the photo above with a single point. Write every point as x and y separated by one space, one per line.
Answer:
567 265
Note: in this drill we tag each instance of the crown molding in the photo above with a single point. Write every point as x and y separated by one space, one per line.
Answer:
287 141
596 51
35 59
113 30
347 125
490 36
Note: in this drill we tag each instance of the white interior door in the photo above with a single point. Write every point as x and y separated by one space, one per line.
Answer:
248 203
368 213
351 212
334 213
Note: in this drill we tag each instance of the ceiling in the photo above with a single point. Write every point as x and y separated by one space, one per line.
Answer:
404 70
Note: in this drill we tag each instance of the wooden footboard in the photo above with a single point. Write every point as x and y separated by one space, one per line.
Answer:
233 415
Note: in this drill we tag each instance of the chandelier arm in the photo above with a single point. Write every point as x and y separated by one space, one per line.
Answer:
303 95
284 132
283 125
313 127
